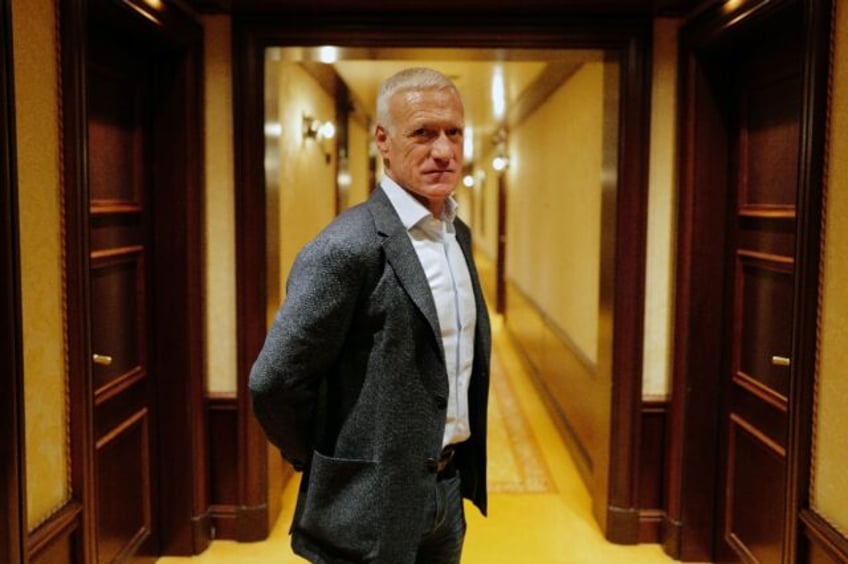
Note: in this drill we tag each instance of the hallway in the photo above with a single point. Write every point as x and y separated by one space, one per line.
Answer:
539 509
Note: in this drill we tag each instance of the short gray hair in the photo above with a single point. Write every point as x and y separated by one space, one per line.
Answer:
411 79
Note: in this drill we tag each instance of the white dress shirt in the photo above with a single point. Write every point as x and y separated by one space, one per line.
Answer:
441 257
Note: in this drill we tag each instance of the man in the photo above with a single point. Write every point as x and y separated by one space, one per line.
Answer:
374 377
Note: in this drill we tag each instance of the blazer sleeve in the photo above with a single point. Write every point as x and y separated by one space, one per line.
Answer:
303 343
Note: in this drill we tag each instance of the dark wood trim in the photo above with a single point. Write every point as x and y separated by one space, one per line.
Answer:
175 39
689 529
74 168
629 38
222 415
652 465
178 315
651 522
818 18
60 529
629 279
12 472
500 253
817 532
555 8
248 69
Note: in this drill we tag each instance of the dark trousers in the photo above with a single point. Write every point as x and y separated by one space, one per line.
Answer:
444 532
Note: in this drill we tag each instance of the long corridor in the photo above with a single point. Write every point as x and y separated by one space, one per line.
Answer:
539 508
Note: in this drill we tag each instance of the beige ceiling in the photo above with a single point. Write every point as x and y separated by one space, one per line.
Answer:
473 78
473 71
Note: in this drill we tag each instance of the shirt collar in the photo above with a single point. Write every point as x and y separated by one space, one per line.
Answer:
410 210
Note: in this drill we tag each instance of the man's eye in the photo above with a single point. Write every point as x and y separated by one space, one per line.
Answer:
429 134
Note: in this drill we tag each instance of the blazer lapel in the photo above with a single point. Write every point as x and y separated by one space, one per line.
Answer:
401 255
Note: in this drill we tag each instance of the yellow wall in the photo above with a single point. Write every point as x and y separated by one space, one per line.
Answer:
220 280
830 481
36 112
534 142
307 191
554 207
358 141
485 224
662 177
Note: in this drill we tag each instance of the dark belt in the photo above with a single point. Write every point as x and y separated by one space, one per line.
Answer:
443 466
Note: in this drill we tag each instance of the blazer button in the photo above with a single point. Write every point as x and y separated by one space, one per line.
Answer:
441 402
432 465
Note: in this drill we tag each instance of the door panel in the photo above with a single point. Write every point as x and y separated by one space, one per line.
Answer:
765 324
765 156
117 286
770 149
119 237
757 472
123 488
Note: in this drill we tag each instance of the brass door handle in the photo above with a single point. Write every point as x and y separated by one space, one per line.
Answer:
101 359
780 360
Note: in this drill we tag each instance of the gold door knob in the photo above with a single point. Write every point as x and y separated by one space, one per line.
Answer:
101 359
780 360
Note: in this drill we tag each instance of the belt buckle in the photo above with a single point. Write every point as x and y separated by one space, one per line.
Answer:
445 459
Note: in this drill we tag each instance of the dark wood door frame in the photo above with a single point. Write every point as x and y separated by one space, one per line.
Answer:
617 503
12 491
500 261
174 39
689 528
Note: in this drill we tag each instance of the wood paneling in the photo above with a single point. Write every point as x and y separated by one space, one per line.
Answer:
224 511
652 469
222 414
767 415
693 424
821 543
564 379
765 115
124 513
166 43
756 475
120 185
57 541
561 7
12 491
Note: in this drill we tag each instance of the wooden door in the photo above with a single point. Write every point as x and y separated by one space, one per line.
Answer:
766 104
119 178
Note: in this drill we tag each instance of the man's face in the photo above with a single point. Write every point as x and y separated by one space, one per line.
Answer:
423 152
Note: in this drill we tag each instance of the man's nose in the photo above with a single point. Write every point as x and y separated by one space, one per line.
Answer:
442 147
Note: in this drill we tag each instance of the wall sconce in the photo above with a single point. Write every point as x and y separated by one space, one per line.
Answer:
319 131
500 162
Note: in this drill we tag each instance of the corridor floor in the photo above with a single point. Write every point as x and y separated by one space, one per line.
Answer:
539 508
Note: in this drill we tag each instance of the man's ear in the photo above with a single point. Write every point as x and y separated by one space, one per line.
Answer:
381 139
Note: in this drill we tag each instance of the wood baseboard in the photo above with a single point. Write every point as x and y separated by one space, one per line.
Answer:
822 542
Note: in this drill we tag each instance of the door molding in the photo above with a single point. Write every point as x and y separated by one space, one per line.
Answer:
616 493
689 528
175 39
12 472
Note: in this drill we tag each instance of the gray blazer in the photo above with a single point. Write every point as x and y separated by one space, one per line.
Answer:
351 385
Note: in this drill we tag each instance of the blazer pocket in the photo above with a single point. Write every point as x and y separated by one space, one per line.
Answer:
341 505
